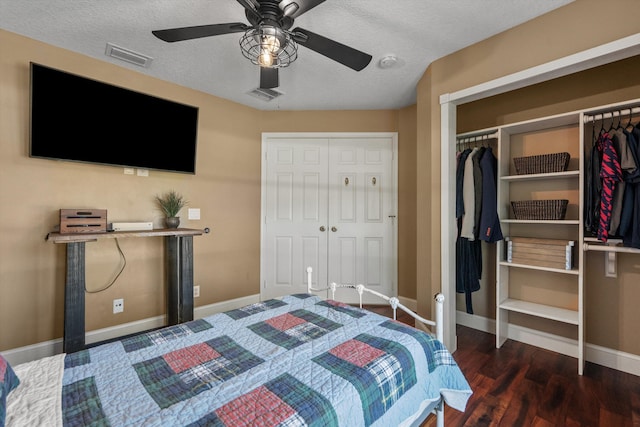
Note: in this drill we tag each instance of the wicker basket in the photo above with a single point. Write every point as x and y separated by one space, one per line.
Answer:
543 163
540 209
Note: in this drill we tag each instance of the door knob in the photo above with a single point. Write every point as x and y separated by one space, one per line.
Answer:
322 228
334 229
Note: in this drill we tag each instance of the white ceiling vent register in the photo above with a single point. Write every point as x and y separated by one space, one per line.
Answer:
265 94
128 55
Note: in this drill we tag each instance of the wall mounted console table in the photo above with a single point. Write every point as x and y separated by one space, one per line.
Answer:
179 265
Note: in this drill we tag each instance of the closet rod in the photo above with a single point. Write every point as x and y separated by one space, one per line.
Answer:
474 138
602 248
612 113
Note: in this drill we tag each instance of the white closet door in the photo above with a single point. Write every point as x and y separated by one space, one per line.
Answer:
361 208
328 203
296 214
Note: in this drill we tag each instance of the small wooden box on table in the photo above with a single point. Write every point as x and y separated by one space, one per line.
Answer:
179 264
83 221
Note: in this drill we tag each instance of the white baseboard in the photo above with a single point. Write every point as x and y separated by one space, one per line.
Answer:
219 307
49 348
614 359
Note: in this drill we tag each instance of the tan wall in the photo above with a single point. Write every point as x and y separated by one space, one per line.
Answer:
570 29
407 202
226 188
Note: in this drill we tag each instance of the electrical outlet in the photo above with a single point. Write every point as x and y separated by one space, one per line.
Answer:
196 291
118 305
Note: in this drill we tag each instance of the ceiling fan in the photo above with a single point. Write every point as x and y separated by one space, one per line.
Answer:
269 41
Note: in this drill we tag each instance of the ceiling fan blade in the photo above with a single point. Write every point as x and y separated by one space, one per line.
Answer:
295 8
343 54
188 33
268 78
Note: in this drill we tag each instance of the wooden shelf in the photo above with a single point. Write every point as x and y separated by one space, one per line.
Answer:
540 310
573 271
542 221
545 176
90 237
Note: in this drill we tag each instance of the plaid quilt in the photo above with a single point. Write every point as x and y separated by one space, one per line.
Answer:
298 361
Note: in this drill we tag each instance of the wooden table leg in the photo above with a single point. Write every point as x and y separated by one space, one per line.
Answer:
179 258
74 299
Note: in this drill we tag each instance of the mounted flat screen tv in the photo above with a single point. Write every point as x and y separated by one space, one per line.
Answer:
79 119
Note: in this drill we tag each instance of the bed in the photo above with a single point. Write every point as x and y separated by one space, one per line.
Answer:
300 360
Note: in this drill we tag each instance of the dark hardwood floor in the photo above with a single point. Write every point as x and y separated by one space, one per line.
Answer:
522 385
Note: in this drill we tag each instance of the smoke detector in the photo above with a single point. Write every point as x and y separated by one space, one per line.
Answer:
390 61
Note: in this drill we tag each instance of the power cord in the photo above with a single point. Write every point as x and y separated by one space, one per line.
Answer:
124 264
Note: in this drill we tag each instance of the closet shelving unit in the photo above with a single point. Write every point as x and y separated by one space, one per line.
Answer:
509 139
508 186
508 181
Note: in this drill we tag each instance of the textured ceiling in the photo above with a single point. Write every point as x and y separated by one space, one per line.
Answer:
417 32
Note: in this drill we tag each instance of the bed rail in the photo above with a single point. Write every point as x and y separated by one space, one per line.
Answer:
393 302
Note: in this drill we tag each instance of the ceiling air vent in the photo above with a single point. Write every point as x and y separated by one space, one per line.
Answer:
128 55
265 94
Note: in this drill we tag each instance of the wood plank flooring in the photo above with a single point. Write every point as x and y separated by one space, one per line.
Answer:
522 385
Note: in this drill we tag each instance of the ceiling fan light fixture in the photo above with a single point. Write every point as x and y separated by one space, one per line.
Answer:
269 46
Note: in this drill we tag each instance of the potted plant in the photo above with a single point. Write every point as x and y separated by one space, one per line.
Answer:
171 203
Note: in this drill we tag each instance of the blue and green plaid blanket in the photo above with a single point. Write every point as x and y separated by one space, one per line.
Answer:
299 361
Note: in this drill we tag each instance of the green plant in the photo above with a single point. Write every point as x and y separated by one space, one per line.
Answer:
171 203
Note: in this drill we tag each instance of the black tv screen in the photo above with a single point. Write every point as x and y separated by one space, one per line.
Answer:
79 119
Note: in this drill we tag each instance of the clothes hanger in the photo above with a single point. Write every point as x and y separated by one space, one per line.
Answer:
613 120
602 129
629 125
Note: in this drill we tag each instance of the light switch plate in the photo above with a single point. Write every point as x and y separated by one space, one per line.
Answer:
194 213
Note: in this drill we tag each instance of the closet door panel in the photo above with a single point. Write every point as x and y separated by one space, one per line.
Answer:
359 214
373 198
347 189
295 234
374 271
345 260
282 260
284 196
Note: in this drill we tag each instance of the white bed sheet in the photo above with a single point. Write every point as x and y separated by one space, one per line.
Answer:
37 401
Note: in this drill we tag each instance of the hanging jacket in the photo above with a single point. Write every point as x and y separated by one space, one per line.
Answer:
468 196
632 237
628 202
477 187
489 229
611 173
593 187
460 181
